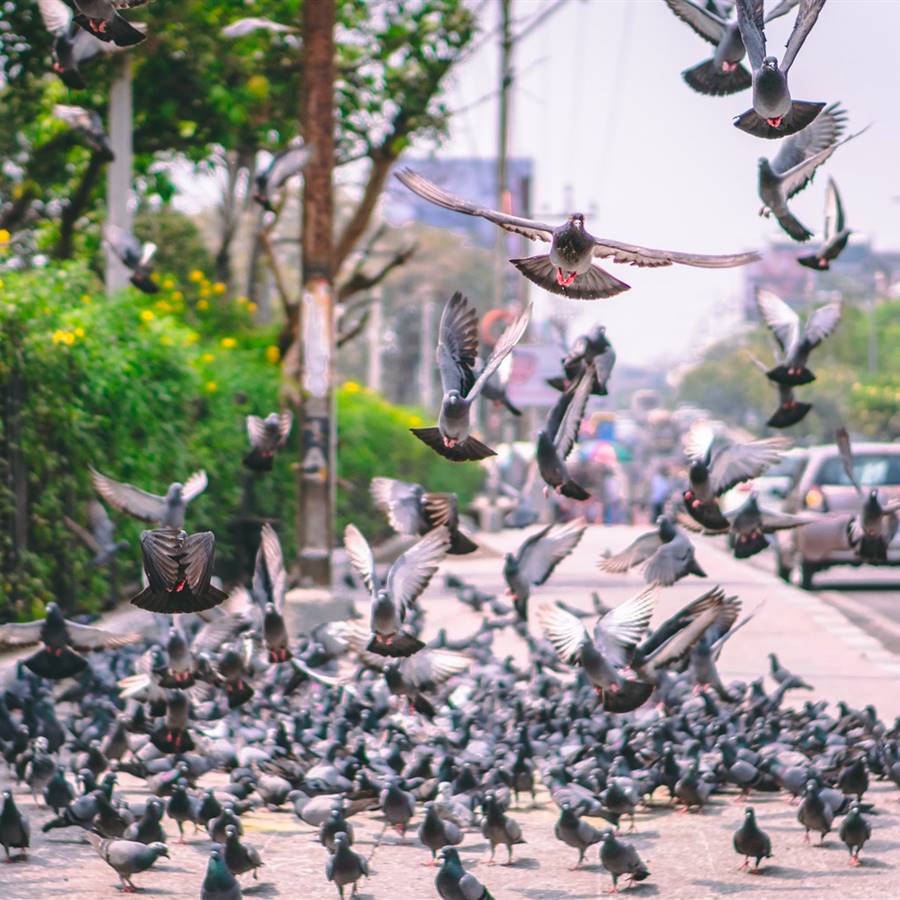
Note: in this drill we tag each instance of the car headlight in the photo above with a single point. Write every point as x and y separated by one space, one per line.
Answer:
815 500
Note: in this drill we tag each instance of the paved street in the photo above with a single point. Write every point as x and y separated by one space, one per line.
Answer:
689 856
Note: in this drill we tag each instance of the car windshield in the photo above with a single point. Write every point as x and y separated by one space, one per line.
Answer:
788 466
870 469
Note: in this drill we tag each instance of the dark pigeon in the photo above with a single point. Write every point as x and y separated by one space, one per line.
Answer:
454 883
751 842
619 858
267 436
558 436
219 883
101 19
134 255
127 857
854 832
284 165
345 866
835 234
15 832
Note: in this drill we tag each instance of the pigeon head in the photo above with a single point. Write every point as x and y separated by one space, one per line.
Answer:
577 220
340 839
453 400
770 62
173 494
448 854
749 815
159 848
666 528
699 474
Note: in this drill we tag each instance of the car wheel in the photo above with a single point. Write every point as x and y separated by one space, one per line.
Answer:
807 570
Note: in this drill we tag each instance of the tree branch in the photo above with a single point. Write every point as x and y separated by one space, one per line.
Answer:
359 281
75 207
355 330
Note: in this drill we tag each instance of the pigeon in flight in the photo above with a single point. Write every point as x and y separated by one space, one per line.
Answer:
411 509
557 438
796 343
242 27
834 236
790 410
179 568
667 553
86 122
269 589
167 511
569 269
134 255
100 537
407 578
774 113
266 436
101 19
457 350
591 351
284 165
533 563
795 165
61 638
713 474
723 74
495 389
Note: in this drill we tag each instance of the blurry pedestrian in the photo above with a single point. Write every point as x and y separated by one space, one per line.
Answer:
613 496
660 488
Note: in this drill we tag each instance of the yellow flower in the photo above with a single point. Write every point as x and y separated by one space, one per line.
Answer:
204 291
147 315
86 298
196 275
207 357
210 387
177 296
166 340
58 337
351 387
273 354
415 422
203 305
192 337
5 236
163 305
168 284
219 288
252 308
229 343
79 332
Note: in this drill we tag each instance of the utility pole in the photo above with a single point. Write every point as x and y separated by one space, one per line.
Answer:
503 198
118 173
316 474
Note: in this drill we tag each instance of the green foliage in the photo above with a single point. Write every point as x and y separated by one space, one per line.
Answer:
179 245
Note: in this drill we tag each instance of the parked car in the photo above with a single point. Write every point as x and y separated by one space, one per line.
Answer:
821 488
772 487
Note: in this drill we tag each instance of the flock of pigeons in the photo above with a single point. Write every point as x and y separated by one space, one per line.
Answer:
364 714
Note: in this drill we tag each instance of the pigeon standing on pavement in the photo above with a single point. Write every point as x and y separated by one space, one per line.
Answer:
457 350
667 555
266 436
619 858
814 813
453 882
345 866
557 438
785 676
284 165
774 113
240 858
574 831
835 234
166 511
219 883
15 832
127 858
499 828
854 832
134 255
750 841
568 269
436 833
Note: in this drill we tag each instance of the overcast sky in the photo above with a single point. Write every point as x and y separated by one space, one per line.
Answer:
600 106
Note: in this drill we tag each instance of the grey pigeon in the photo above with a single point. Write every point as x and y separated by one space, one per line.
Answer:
101 19
574 831
398 806
667 555
126 857
558 436
335 824
15 832
88 124
569 269
100 539
774 113
590 353
499 828
785 676
219 883
454 883
835 234
167 511
619 858
134 255
538 555
814 814
285 164
345 866
457 350
249 24
436 833
148 829
267 436
269 590
240 857
750 841
854 832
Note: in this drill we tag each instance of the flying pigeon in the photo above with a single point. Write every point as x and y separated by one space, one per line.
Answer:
790 410
101 19
796 343
722 74
407 578
496 388
592 353
834 236
569 269
667 553
266 436
795 165
167 511
179 567
100 538
538 555
269 590
134 255
86 122
284 165
242 27
457 350
774 114
412 510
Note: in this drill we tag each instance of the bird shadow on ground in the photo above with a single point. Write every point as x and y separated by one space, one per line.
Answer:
475 848
524 862
260 889
545 894
762 882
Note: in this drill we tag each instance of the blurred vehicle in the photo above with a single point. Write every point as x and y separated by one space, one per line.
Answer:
821 486
772 487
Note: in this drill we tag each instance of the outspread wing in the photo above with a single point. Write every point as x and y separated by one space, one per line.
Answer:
129 499
124 244
20 634
83 534
621 628
287 164
822 323
413 570
85 637
538 558
199 553
256 430
751 22
194 486
825 130
274 559
699 440
441 509
457 347
563 630
422 187
399 501
640 549
702 22
806 18
55 14
430 668
511 336
740 462
843 445
782 321
158 549
242 27
834 212
567 433
361 558
635 255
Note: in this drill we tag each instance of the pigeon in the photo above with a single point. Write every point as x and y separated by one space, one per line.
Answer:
569 269
457 350
410 509
436 833
270 590
284 165
182 807
58 793
242 27
345 866
790 410
575 832
148 829
751 841
167 511
15 832
557 438
795 166
266 436
335 824
538 555
873 528
179 567
604 654
127 857
407 578
101 19
854 832
593 353
89 125
454 883
796 343
619 858
100 539
496 388
61 639
667 553
854 778
398 806
834 235
134 255
498 828
785 676
219 883
423 672
814 814
774 113
723 74
240 858
713 474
